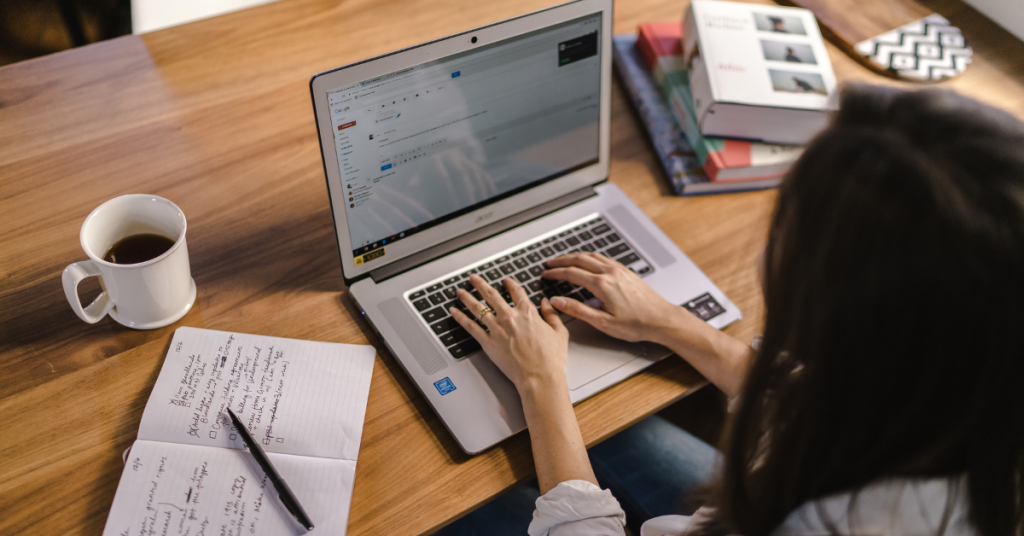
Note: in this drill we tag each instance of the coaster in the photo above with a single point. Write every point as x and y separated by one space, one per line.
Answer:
926 50
902 39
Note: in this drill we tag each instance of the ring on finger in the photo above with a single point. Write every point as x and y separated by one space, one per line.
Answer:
482 312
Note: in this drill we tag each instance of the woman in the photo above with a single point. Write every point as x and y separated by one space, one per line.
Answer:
886 397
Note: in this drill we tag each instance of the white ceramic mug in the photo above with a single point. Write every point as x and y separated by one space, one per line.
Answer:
147 295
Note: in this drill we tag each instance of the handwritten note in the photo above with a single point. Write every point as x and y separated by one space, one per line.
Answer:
295 397
188 474
182 490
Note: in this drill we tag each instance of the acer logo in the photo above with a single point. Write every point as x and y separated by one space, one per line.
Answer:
484 217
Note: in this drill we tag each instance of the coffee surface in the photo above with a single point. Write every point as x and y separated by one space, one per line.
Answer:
137 248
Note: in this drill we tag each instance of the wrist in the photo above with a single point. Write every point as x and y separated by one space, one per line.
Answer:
540 388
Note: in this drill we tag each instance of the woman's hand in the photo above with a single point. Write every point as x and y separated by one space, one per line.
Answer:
529 347
631 309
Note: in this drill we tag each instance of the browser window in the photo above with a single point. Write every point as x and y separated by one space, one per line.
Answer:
426 144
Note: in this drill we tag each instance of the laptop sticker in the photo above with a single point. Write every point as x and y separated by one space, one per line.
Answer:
444 386
375 254
704 306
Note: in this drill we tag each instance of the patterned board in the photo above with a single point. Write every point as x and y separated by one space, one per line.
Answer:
926 50
903 39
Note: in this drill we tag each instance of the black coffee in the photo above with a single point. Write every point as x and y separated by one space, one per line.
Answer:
138 248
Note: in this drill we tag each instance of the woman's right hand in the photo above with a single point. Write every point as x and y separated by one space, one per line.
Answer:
631 310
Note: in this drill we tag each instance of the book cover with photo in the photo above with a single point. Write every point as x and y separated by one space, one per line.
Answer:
682 162
723 159
757 72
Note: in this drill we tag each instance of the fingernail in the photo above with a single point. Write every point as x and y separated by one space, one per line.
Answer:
558 302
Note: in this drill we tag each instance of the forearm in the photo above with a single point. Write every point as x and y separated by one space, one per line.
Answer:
719 357
558 450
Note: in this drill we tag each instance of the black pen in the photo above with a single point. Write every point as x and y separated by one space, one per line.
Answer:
285 493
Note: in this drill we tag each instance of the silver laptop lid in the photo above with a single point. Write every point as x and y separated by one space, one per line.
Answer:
427 143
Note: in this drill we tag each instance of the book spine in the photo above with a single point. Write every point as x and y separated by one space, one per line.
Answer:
675 154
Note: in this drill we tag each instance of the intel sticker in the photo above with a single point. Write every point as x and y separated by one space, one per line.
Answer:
444 386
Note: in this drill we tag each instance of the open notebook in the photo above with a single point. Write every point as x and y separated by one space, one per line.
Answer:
188 472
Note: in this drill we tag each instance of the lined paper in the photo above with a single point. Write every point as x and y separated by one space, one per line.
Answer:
184 490
189 473
296 397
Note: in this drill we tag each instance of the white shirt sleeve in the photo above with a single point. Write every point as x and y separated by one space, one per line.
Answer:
577 508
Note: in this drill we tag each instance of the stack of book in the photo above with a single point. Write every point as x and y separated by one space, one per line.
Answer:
722 139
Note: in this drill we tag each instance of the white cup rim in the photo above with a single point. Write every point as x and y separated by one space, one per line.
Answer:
177 243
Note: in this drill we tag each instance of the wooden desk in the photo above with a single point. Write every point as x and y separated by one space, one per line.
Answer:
216 116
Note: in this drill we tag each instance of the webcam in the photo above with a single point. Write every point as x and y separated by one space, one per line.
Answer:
472 39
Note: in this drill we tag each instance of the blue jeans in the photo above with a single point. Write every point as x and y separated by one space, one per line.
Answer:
653 468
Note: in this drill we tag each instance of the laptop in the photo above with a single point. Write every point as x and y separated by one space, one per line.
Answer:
487 152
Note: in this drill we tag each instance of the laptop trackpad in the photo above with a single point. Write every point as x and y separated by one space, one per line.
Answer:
593 354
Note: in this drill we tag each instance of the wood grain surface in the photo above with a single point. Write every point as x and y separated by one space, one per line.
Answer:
216 116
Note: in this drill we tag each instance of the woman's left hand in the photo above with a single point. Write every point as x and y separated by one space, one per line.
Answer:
529 347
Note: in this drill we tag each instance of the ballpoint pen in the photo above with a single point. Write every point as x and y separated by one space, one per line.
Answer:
284 492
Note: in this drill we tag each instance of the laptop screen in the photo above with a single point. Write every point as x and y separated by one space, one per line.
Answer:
429 143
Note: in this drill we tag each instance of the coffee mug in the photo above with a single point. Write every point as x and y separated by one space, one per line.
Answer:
149 293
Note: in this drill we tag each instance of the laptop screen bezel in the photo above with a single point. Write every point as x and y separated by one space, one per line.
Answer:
322 83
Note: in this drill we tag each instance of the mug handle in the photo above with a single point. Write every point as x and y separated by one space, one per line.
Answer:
73 275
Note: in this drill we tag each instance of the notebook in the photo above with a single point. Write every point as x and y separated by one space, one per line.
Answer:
189 473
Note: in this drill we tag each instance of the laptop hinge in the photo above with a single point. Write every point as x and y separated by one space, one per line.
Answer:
483 233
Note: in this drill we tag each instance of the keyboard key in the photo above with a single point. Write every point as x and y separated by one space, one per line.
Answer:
435 288
493 275
454 336
645 270
629 259
595 220
560 246
523 277
519 252
572 241
464 348
533 257
521 263
600 243
586 247
437 298
536 299
536 270
449 293
578 227
507 269
615 251
532 247
417 295
535 286
600 229
466 284
547 252
421 304
451 280
434 315
564 287
445 325
614 237
550 239
586 294
564 234
485 266
465 275
500 260
585 235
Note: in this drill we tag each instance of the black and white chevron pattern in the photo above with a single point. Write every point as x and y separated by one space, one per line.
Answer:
926 50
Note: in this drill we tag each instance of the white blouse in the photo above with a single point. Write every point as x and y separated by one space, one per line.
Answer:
890 507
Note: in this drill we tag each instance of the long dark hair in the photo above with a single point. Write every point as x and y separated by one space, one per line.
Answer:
894 336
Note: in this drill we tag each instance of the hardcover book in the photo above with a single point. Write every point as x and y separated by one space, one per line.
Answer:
676 155
723 159
757 72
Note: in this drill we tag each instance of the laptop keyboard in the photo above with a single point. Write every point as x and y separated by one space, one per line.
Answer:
523 263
